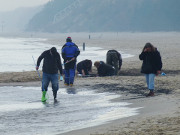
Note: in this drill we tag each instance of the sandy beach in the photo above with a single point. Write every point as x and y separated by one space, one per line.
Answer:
159 115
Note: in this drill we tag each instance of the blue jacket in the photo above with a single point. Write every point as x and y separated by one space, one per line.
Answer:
70 50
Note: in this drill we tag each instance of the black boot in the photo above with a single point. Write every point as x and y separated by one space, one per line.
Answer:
55 94
151 94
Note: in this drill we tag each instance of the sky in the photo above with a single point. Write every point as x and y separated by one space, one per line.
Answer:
8 5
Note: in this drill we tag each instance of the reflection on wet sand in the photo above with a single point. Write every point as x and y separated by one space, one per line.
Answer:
74 109
71 90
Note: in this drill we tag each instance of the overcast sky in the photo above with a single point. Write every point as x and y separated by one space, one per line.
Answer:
7 5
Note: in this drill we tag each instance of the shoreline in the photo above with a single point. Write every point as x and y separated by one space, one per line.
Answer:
128 125
160 114
163 107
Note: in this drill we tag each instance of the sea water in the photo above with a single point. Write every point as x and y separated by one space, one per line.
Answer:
22 112
16 53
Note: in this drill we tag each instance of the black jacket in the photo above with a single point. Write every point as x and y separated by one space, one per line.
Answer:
118 55
52 62
84 65
105 69
151 62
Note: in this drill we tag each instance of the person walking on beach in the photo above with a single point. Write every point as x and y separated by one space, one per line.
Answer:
51 65
104 69
151 65
70 52
84 67
114 59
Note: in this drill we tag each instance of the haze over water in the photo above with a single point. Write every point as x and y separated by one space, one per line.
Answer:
16 53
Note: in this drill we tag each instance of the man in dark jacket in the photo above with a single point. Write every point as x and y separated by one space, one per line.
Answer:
151 66
70 52
84 67
51 65
114 59
104 69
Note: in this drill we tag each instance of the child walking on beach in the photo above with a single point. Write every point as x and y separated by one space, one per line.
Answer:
151 66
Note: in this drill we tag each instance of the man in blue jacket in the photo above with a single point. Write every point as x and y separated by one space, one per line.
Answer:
70 51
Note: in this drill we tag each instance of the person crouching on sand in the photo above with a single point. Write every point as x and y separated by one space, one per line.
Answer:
114 59
51 65
151 65
84 67
104 69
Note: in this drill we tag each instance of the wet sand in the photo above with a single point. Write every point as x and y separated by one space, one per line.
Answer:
160 115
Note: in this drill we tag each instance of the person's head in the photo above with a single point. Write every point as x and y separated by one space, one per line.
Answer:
68 39
149 47
97 64
53 50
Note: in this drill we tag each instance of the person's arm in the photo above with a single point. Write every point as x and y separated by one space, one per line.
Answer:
120 60
90 68
158 62
40 59
84 68
77 51
120 63
59 64
63 53
86 72
83 72
142 56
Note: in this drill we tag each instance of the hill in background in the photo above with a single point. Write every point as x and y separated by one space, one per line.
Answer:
107 15
18 19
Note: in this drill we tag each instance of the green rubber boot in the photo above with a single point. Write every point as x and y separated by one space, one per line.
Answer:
43 99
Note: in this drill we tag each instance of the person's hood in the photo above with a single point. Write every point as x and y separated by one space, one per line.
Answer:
53 50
